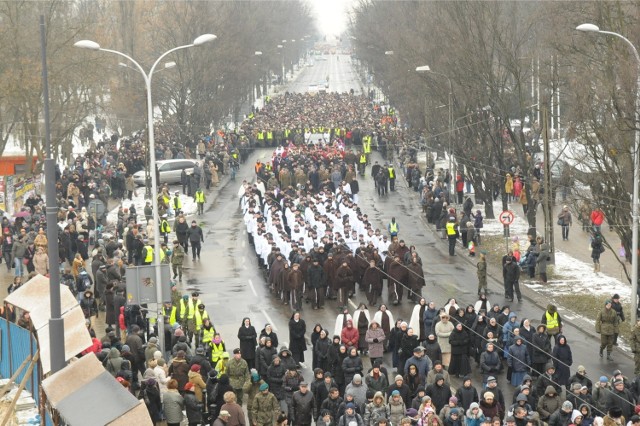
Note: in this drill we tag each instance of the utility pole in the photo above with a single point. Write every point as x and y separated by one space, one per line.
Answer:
547 201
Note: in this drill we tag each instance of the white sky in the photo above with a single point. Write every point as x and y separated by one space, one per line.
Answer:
331 15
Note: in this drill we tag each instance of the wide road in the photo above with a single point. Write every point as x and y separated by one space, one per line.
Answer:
233 287
342 76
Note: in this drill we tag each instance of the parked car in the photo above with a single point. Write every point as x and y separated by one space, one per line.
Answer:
170 171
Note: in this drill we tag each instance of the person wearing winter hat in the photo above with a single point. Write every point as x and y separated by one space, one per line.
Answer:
265 408
195 378
607 323
192 406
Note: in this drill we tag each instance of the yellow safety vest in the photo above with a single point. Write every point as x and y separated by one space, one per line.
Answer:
451 228
172 315
250 116
200 318
164 227
552 321
207 335
199 197
366 145
221 366
287 132
177 203
363 159
163 255
393 227
183 308
216 351
260 135
269 135
149 257
392 173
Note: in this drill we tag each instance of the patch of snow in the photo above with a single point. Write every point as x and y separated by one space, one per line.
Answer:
518 228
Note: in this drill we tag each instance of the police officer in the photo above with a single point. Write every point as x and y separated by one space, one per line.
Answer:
165 229
200 315
452 235
177 203
147 253
392 177
199 198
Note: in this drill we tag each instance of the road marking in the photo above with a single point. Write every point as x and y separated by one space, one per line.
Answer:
352 304
270 322
252 288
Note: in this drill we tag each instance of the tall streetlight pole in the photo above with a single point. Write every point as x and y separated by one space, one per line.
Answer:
199 41
591 28
426 68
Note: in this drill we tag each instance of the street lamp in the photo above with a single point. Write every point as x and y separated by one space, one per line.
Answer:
591 28
147 171
426 68
199 41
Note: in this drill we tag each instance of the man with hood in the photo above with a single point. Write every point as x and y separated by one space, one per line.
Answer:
467 393
275 377
438 392
376 380
113 362
179 369
376 410
548 403
547 379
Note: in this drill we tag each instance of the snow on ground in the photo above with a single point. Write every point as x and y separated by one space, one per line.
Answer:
189 206
571 275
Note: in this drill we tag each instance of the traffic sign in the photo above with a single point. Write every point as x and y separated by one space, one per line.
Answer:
506 217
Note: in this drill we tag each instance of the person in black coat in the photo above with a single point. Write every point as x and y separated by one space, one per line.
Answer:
562 360
438 392
150 393
459 341
247 336
297 343
321 351
275 375
267 331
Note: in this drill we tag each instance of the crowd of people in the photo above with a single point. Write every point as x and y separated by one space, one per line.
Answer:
315 245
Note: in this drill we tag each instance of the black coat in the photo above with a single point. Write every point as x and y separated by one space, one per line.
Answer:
275 374
247 337
297 343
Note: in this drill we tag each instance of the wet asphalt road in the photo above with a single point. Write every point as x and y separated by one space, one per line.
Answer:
232 286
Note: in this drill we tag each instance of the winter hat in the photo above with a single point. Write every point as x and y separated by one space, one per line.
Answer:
581 369
395 392
576 386
350 405
264 387
567 405
474 405
491 379
603 379
196 368
153 340
615 412
188 386
489 395
521 397
412 412
398 377
357 378
453 399
126 348
606 302
618 381
255 377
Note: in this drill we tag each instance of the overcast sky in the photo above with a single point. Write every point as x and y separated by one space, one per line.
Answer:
331 15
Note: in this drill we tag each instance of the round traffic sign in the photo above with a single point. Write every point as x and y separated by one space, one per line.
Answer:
506 217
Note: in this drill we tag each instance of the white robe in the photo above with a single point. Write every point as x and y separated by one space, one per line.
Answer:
377 317
337 330
416 322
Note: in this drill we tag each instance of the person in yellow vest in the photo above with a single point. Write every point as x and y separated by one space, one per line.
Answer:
165 228
170 313
206 334
393 228
221 366
165 254
392 177
261 136
200 315
200 199
217 348
270 137
363 163
452 234
551 318
366 146
186 311
190 329
147 253
177 203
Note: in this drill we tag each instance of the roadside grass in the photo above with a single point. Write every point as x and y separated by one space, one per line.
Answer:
588 305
